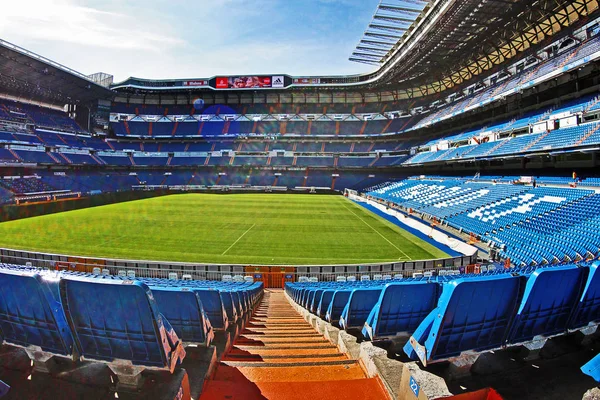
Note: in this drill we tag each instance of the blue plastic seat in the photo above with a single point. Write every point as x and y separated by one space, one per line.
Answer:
548 302
213 307
338 303
592 368
116 320
31 313
473 314
400 309
183 309
358 307
588 308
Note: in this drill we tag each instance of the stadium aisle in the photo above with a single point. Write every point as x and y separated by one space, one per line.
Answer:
280 356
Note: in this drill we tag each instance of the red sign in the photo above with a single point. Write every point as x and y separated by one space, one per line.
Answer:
244 82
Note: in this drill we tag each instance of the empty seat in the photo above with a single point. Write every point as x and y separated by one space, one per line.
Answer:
31 314
183 309
213 307
400 309
116 320
588 308
338 302
472 314
548 301
358 307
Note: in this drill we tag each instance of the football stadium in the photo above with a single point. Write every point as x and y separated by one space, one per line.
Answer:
427 229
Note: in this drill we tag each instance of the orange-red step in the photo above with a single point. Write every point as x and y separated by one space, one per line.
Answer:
278 355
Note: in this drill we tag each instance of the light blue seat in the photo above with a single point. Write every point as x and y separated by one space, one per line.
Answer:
473 314
548 302
31 313
400 309
183 309
592 368
358 307
115 320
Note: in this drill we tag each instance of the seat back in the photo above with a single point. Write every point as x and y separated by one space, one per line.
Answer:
588 308
549 300
473 314
359 306
119 320
213 307
338 302
183 309
31 313
401 307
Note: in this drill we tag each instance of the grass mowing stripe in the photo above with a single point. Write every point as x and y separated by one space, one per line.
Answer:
241 236
379 233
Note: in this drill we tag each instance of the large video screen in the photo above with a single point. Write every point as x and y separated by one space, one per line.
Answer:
249 82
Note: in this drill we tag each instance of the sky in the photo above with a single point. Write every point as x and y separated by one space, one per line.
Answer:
192 39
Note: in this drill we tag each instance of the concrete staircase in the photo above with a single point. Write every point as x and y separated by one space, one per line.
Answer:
278 355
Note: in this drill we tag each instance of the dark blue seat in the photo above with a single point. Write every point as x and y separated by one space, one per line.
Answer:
358 307
228 306
587 310
400 309
473 314
338 303
114 320
31 313
183 309
213 307
548 302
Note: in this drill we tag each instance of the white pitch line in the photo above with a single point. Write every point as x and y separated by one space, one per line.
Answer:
238 239
379 233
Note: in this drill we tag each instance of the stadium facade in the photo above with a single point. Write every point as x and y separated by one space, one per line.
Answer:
479 132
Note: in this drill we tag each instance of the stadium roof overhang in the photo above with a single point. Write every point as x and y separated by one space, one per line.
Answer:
457 40
26 74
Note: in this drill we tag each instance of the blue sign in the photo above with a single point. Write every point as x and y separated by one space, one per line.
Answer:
414 386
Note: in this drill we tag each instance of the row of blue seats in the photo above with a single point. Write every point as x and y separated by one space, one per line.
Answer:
113 318
471 313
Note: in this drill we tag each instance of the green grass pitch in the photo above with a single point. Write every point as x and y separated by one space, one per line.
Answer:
263 229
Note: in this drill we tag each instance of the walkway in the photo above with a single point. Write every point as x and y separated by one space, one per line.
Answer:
280 356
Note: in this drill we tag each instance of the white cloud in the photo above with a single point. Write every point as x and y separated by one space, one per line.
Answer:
181 39
65 21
